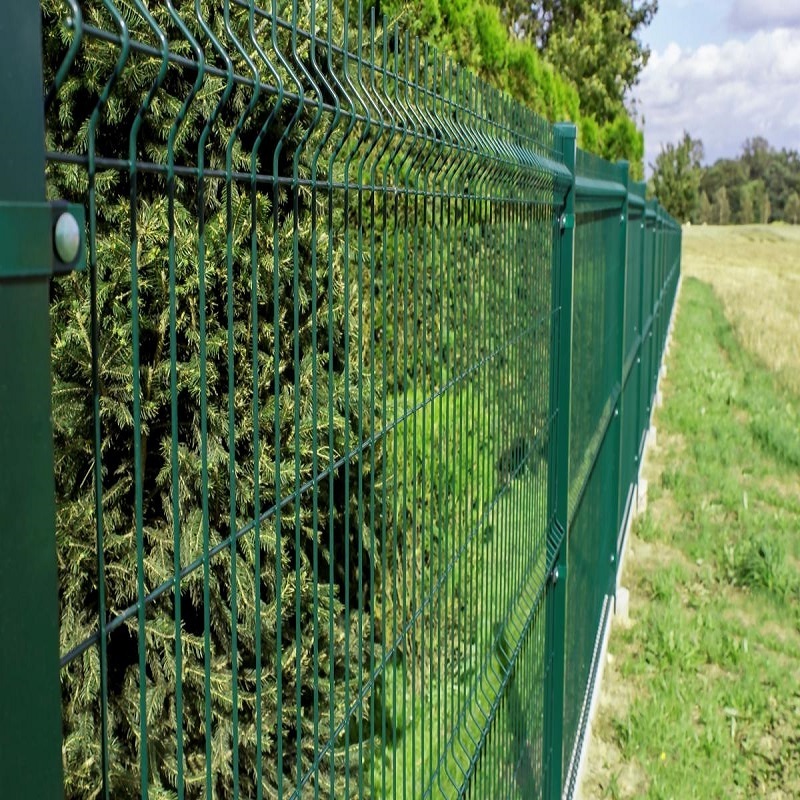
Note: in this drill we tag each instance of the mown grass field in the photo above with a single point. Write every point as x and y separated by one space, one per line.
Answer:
701 695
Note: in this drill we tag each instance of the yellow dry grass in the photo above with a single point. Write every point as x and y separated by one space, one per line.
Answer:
755 271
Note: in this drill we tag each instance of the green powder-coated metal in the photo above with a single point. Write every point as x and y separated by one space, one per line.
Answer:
348 410
30 765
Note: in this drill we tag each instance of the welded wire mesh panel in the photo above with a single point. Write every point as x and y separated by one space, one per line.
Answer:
592 540
597 315
301 406
598 328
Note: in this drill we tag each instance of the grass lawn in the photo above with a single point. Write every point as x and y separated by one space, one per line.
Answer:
701 696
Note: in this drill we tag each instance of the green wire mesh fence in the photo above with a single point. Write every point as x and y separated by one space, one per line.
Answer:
317 521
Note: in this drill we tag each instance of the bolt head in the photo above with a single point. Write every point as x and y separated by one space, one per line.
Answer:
67 238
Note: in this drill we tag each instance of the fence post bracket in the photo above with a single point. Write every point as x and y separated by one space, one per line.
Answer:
41 239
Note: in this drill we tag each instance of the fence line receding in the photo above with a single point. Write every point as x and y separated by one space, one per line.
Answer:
348 408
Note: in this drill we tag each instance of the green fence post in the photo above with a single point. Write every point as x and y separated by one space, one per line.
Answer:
558 489
651 306
642 318
622 472
30 726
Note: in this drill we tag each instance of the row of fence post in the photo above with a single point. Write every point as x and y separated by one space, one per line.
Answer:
654 263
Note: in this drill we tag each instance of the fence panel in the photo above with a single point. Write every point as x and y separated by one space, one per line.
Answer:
339 457
302 409
594 433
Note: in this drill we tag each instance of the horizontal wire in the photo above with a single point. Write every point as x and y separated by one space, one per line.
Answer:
259 178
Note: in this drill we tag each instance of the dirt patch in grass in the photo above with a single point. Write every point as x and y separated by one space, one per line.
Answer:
609 772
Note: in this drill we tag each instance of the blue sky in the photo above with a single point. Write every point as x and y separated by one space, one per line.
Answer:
724 70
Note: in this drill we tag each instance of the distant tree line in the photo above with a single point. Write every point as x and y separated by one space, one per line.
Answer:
761 185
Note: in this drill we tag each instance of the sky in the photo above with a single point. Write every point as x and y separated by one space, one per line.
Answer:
723 70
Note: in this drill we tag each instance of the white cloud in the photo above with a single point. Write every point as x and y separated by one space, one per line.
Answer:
753 15
724 93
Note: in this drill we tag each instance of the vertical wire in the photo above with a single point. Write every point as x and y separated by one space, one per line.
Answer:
229 224
388 513
97 433
175 465
91 137
483 317
386 578
489 326
457 256
398 495
315 398
377 546
347 431
503 588
417 448
256 411
441 577
366 131
421 399
500 587
442 615
545 285
298 151
284 63
201 274
527 322
527 317
331 440
326 138
438 399
461 256
365 135
434 401
407 650
475 349
353 113
445 629
132 153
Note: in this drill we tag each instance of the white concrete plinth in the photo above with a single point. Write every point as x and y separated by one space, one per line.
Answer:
641 496
621 606
659 398
652 437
